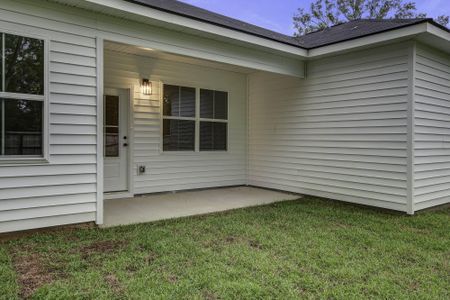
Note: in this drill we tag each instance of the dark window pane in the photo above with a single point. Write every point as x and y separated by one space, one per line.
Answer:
213 104
206 104
213 136
24 65
179 135
187 102
112 110
220 136
178 101
206 136
23 127
1 127
112 141
171 100
2 88
111 131
221 105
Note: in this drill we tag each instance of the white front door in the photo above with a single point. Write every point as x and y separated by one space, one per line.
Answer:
115 140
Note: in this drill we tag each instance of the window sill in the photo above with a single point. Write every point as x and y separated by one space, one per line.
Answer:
8 161
192 153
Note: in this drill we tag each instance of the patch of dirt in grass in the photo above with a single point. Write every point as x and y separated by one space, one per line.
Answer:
301 291
339 225
100 247
151 257
33 272
231 239
115 285
255 244
220 243
172 279
208 295
414 286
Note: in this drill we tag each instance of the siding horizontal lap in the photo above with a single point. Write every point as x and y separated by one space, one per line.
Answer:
63 190
432 128
25 224
340 137
48 190
47 201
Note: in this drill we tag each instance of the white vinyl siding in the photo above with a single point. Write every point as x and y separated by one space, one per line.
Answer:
432 128
62 190
340 133
179 171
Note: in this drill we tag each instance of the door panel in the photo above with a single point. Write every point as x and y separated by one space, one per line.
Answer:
115 136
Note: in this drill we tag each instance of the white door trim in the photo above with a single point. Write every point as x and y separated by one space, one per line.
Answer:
130 134
131 169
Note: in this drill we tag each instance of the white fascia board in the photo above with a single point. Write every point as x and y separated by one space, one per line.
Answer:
389 36
438 32
186 22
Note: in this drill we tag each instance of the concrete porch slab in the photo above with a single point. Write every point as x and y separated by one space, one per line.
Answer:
157 207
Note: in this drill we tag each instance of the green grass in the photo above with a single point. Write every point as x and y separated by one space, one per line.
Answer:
311 248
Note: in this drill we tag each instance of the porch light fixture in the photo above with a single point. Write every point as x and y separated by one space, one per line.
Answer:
146 87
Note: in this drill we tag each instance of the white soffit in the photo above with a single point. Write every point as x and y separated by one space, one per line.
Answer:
152 53
436 37
147 15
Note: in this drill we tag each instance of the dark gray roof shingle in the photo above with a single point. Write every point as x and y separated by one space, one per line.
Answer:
353 29
332 35
193 12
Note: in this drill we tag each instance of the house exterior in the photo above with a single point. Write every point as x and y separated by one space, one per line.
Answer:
106 99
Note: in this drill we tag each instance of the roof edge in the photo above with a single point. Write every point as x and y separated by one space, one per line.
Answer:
425 20
221 25
296 45
162 16
433 22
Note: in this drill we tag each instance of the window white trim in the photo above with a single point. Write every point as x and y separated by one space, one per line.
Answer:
31 159
2 119
179 118
197 119
163 117
3 61
18 96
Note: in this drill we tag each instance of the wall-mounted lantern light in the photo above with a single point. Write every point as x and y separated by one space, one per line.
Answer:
146 87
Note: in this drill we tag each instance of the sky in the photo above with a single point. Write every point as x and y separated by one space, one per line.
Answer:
277 14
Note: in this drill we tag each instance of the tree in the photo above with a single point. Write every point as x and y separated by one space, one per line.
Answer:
326 13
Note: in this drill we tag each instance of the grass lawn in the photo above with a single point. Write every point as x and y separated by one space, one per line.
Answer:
311 248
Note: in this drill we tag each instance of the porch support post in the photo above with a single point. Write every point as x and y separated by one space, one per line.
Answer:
99 66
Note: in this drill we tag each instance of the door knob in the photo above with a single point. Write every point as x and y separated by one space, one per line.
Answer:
125 144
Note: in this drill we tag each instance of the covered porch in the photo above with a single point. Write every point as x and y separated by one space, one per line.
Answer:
162 206
186 129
